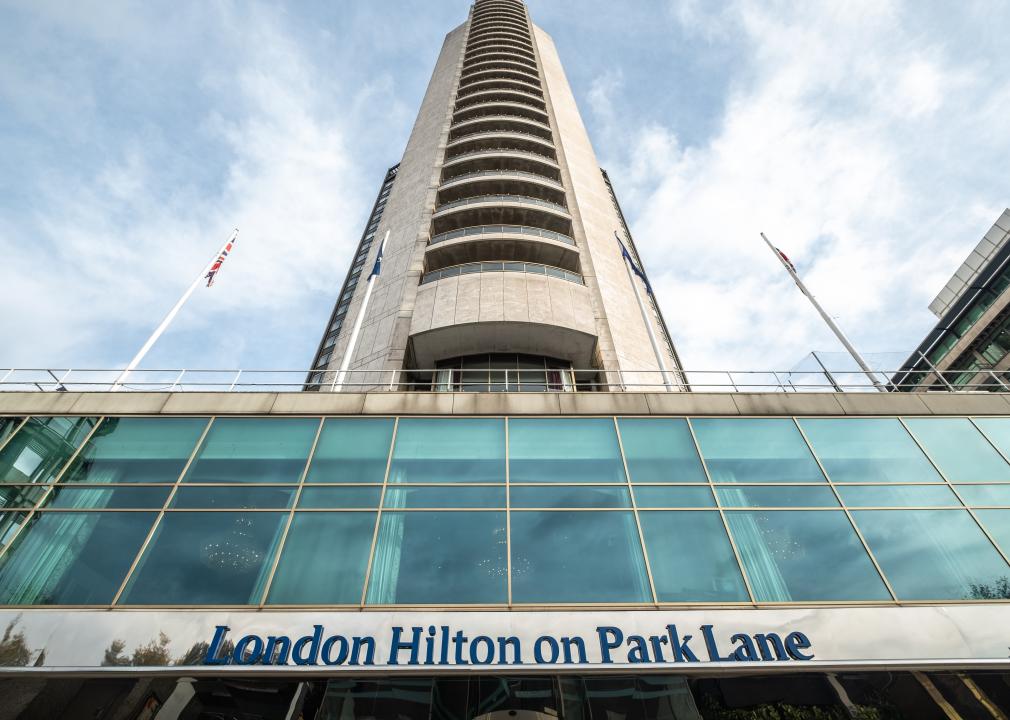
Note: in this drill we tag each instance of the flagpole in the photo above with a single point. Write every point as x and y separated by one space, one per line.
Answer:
345 362
827 318
667 381
171 315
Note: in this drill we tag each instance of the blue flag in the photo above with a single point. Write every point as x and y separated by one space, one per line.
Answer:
377 268
634 268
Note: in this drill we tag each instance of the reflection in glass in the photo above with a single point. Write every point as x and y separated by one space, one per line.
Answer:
141 450
77 558
557 557
570 496
755 450
37 452
358 699
658 496
804 556
997 429
206 558
642 697
959 449
254 450
868 450
467 450
572 450
20 496
7 427
985 495
660 450
444 497
233 498
439 558
351 450
932 554
107 497
366 496
898 496
324 559
776 496
691 558
997 523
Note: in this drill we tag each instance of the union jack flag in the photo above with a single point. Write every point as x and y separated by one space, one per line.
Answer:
786 260
216 267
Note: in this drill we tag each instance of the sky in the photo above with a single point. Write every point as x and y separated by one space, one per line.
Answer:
868 138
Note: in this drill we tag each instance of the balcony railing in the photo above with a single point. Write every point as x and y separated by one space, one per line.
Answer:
499 133
521 199
508 173
504 266
500 230
517 380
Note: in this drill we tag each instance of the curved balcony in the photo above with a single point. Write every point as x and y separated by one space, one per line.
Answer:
488 267
482 13
497 34
500 57
495 23
528 212
501 160
500 199
485 96
501 47
500 140
498 84
499 69
489 109
490 182
511 243
500 123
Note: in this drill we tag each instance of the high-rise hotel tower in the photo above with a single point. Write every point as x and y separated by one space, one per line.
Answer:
502 251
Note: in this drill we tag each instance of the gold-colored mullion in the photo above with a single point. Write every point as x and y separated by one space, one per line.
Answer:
161 514
953 488
989 439
378 513
981 696
634 510
508 515
291 515
50 485
845 509
24 421
722 514
937 697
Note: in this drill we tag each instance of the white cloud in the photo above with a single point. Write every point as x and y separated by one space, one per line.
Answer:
858 143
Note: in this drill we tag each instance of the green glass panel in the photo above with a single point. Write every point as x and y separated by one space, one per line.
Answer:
755 450
352 450
233 498
254 450
435 450
10 523
77 558
797 556
898 496
657 496
310 572
439 558
570 496
7 427
366 496
868 450
932 554
206 558
982 495
577 557
39 450
106 497
20 496
691 557
572 450
997 429
959 449
660 450
444 497
144 450
776 496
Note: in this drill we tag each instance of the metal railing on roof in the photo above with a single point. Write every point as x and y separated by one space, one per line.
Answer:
588 380
517 380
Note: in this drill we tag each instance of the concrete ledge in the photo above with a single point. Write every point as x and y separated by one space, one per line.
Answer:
428 403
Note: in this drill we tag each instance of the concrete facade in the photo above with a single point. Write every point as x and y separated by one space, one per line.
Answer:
499 143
